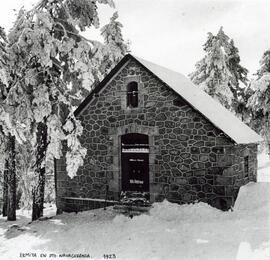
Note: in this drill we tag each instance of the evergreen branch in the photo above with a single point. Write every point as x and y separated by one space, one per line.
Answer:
64 29
78 35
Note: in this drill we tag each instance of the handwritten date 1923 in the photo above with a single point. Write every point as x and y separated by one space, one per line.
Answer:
109 256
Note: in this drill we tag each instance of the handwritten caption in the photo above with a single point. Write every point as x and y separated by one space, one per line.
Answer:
64 255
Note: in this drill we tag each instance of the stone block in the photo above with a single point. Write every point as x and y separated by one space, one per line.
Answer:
182 137
169 124
224 160
188 174
218 150
228 172
201 195
198 125
218 189
161 117
197 165
197 187
199 172
187 197
216 170
174 197
192 180
199 144
172 136
176 172
201 180
181 181
185 155
221 180
207 188
177 131
178 160
172 164
184 167
194 157
174 187
203 158
195 150
187 132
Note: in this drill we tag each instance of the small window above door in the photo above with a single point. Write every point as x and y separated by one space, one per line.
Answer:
132 94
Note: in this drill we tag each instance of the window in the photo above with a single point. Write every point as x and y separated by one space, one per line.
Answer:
132 94
246 165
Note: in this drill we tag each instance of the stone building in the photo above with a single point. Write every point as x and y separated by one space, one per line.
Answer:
149 129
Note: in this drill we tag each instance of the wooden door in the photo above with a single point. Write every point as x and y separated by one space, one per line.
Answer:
135 162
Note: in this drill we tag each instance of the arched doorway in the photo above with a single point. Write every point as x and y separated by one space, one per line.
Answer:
135 162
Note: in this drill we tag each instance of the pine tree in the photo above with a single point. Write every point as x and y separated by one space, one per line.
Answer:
48 60
238 75
112 34
219 73
106 55
259 100
265 64
8 141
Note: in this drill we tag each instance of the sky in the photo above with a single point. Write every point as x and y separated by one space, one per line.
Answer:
171 32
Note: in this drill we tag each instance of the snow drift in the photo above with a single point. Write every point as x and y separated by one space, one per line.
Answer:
168 231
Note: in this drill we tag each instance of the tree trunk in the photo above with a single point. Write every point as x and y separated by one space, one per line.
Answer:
268 144
38 191
5 189
11 180
58 211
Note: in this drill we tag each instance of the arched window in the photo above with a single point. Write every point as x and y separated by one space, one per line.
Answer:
132 94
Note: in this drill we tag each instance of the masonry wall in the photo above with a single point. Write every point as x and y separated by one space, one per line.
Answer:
190 159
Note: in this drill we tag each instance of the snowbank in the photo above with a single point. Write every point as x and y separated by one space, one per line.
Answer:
263 167
188 212
169 231
251 198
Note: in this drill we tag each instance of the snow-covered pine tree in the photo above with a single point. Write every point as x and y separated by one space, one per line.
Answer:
265 64
106 55
259 100
47 56
8 141
219 73
239 80
212 74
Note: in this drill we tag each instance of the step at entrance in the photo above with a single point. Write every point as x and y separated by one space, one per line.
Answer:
133 203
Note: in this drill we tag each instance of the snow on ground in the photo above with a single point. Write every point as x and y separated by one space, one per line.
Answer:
169 231
263 167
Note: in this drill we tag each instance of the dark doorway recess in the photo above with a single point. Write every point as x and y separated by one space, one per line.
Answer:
135 162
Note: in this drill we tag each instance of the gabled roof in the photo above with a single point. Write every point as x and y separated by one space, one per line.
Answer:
197 98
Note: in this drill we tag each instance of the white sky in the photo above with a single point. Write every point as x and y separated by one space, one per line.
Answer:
171 32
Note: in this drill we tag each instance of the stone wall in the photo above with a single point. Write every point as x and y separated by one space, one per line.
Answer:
190 159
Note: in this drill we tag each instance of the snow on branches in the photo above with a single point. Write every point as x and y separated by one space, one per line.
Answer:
49 63
259 100
75 152
107 55
219 73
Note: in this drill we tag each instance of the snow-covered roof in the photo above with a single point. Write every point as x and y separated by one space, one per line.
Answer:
206 105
